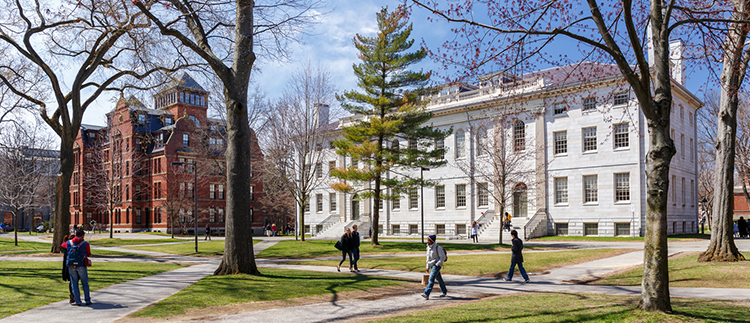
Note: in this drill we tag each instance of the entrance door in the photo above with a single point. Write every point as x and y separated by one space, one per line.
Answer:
520 201
355 208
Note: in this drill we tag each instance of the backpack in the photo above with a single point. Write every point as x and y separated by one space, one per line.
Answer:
445 253
75 254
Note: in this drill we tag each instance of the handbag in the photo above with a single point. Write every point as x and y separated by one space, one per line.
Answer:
87 261
338 245
425 279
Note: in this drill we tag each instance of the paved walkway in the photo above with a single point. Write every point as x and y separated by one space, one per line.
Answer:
120 300
117 301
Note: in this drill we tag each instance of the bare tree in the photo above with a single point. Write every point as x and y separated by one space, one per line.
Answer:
226 36
22 170
102 44
295 137
706 120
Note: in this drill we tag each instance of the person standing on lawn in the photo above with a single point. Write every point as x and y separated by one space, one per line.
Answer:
475 232
65 270
273 230
78 251
356 241
742 226
435 259
516 258
208 233
345 248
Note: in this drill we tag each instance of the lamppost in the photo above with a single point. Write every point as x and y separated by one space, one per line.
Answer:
703 216
421 194
195 196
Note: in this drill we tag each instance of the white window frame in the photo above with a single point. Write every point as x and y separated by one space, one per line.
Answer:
590 189
588 139
560 143
440 197
622 192
561 190
460 195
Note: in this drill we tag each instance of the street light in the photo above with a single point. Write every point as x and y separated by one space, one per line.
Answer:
195 196
421 194
703 216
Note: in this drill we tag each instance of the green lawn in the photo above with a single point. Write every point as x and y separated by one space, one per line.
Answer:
107 242
493 265
321 248
7 246
205 249
686 271
563 307
273 284
28 284
677 237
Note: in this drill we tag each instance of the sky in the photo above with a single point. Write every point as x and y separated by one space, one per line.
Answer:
330 47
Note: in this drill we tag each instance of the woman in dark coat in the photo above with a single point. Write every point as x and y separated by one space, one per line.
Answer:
65 271
346 243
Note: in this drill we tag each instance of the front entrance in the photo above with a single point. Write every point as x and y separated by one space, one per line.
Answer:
520 201
355 208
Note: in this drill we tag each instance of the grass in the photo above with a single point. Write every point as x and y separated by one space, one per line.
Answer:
273 284
107 242
322 248
205 249
577 307
489 265
677 237
7 246
28 284
686 271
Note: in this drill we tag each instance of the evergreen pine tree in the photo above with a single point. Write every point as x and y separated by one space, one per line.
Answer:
387 109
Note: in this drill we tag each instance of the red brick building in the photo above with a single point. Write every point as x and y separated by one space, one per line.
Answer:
126 168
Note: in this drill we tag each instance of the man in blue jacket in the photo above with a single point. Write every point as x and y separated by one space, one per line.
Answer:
516 258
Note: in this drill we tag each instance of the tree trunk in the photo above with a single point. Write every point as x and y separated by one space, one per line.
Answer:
301 228
238 243
111 225
376 211
62 198
15 229
722 247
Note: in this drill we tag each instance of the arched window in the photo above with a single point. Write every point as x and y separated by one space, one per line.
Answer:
520 200
460 144
395 145
519 136
482 141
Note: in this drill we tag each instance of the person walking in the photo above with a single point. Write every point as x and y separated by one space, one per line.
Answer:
65 270
742 227
516 258
435 259
268 230
736 230
273 230
475 232
356 241
78 251
208 233
345 245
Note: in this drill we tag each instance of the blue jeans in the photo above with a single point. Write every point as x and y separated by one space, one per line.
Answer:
76 273
355 253
520 267
435 274
343 257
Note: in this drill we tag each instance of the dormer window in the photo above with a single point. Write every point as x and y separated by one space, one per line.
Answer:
168 121
141 118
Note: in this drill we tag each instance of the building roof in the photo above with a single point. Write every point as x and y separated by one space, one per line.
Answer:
91 127
184 82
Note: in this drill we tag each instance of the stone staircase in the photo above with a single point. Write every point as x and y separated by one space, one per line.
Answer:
491 232
334 231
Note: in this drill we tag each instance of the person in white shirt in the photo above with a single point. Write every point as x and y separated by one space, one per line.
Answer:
435 259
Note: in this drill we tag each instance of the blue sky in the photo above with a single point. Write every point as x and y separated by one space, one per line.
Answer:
330 46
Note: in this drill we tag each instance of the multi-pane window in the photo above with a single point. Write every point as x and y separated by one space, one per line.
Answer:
590 189
395 229
691 149
190 190
589 139
212 192
440 229
220 187
440 144
185 140
413 229
319 202
622 187
460 144
519 136
318 170
138 216
682 146
221 214
440 196
460 229
413 198
683 191
483 198
482 141
682 112
692 193
591 229
690 118
413 144
461 195
211 215
561 142
589 104
355 163
673 185
395 146
621 98
307 205
396 204
332 201
331 166
559 108
622 229
561 190
622 136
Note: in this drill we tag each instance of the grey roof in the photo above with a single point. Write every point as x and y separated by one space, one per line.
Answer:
134 103
91 127
185 82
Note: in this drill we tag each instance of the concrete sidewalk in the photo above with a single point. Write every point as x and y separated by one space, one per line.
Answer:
117 301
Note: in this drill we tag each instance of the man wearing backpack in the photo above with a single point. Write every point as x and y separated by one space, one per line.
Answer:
78 252
435 259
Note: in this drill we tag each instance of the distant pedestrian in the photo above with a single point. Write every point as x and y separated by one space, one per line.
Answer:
78 251
273 229
435 259
208 233
736 230
268 230
2 227
345 245
742 227
475 231
356 241
516 258
65 270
